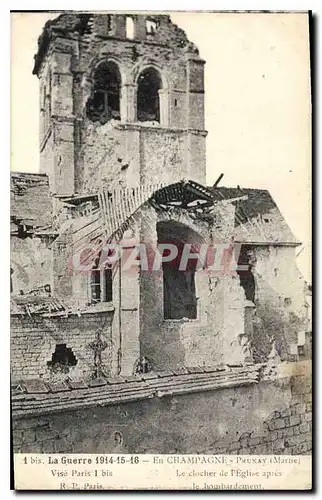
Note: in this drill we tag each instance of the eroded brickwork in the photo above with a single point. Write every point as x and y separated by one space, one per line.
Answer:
33 342
271 417
288 431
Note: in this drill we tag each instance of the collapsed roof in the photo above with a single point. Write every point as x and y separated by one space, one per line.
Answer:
257 217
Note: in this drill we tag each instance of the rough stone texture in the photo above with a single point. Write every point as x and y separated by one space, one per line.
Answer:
77 154
126 323
215 336
30 200
82 156
257 217
31 232
263 418
280 301
33 341
31 263
63 276
272 416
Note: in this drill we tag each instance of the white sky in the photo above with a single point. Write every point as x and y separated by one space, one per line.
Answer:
257 104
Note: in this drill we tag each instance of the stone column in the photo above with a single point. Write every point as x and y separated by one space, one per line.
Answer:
126 300
233 331
152 344
128 103
62 116
164 107
130 324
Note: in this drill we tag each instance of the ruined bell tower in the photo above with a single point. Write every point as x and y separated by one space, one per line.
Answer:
121 102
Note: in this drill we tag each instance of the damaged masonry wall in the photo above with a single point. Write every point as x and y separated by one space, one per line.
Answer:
80 154
215 335
31 232
268 417
85 354
31 264
34 341
222 330
281 313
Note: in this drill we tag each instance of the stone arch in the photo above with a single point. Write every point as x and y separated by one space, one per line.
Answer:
151 93
107 58
149 83
182 217
149 64
104 102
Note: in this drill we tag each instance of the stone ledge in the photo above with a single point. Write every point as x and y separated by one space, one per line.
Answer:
159 128
133 388
119 389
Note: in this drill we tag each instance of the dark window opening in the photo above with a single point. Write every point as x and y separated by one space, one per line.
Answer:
179 288
179 293
246 277
142 365
101 283
148 102
104 103
62 359
11 284
24 231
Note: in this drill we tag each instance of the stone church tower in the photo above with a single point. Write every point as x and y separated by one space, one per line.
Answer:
141 355
121 102
122 111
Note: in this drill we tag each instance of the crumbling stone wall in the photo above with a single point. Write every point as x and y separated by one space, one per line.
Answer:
57 121
34 339
280 313
287 431
163 156
115 155
107 158
78 154
271 417
215 336
31 263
